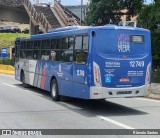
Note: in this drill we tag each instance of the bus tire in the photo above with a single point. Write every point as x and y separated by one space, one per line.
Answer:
23 80
54 90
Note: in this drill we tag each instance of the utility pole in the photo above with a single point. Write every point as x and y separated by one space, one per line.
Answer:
81 12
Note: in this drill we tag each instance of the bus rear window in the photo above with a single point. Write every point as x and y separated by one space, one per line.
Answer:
121 42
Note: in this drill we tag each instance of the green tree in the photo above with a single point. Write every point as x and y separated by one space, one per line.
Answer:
133 7
149 17
145 17
105 11
157 1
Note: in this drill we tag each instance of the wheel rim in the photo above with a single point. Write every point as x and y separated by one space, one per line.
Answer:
53 90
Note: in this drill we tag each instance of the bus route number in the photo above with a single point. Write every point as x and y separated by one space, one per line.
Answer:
134 64
80 72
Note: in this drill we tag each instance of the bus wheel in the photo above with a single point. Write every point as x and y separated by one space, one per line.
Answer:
54 90
23 80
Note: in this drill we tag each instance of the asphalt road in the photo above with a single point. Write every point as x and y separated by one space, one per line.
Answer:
32 108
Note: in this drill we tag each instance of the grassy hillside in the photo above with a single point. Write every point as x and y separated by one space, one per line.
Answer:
7 39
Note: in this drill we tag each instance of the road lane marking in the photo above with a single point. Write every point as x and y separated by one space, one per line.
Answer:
8 85
115 122
145 99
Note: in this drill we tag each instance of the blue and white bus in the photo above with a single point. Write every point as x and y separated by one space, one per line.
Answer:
86 62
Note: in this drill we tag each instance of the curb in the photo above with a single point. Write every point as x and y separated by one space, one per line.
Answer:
154 96
7 69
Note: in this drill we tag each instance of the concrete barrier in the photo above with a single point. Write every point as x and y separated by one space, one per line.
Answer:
7 69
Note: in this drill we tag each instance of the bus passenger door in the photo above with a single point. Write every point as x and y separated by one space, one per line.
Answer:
66 67
66 87
80 81
80 67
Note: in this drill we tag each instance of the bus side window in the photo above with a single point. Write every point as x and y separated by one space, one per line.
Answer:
36 54
22 54
36 49
67 49
17 51
45 54
29 54
53 55
80 57
85 43
81 49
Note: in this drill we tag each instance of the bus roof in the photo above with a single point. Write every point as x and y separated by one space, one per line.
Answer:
69 30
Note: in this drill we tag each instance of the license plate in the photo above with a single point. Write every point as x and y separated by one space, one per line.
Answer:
124 80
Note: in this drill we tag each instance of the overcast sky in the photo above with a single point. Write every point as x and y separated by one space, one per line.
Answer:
74 2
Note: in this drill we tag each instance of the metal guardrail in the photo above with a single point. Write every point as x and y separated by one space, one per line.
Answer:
66 15
36 18
77 19
67 20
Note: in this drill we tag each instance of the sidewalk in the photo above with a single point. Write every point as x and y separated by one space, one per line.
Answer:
155 93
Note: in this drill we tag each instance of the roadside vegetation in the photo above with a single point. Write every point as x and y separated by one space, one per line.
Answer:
156 56
156 76
8 39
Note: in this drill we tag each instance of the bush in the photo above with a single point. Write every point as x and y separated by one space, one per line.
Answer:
7 61
156 49
8 39
156 76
